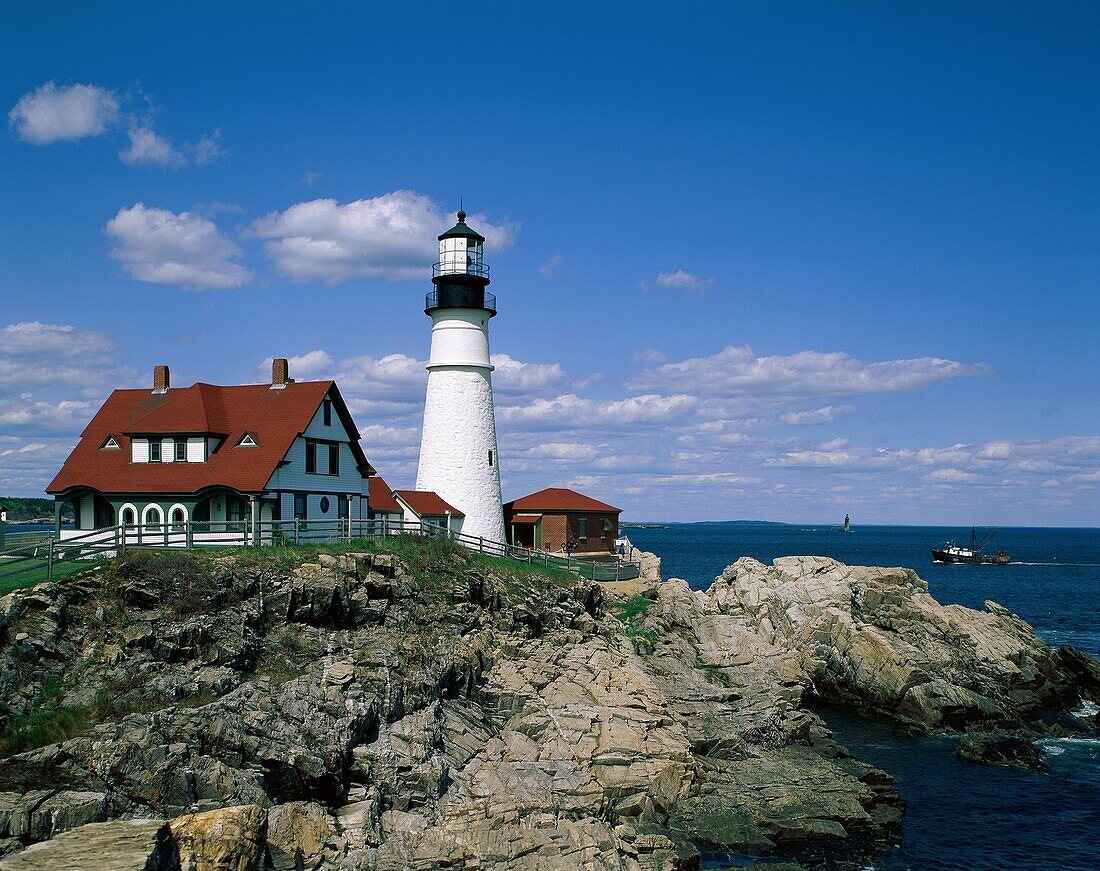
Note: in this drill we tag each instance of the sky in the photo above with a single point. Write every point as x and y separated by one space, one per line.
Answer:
774 261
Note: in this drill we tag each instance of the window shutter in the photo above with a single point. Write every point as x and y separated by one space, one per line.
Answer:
311 458
334 459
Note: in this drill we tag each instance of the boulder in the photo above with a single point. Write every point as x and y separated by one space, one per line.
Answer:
297 834
226 839
120 845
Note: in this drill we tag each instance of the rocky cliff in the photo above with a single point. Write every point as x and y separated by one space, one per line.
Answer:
414 706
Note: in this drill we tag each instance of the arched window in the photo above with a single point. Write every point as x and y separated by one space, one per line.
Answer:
127 515
177 516
152 518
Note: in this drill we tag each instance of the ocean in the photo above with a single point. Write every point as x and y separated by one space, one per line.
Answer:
959 817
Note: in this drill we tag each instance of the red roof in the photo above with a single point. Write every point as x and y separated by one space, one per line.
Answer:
274 418
381 496
425 502
558 499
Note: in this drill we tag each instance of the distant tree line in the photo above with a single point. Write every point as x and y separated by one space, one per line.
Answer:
28 508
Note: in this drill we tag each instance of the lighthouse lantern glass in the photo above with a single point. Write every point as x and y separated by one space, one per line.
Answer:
460 254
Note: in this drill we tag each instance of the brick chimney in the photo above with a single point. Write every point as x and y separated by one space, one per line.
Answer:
280 373
162 379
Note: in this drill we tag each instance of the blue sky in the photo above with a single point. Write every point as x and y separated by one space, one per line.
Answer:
753 260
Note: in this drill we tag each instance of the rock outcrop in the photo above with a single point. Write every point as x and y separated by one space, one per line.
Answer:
874 639
431 709
1010 751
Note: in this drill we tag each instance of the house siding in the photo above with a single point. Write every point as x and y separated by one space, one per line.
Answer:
292 477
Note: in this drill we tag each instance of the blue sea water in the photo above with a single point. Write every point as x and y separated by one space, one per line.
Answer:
959 817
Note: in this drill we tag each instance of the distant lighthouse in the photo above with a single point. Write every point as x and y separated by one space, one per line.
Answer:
458 444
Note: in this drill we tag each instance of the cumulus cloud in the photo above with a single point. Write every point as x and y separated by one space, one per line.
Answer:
737 370
148 148
303 367
514 376
185 250
683 282
389 237
52 114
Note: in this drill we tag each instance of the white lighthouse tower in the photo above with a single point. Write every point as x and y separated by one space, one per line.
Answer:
458 445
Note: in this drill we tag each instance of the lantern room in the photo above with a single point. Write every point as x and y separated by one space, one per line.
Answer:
462 252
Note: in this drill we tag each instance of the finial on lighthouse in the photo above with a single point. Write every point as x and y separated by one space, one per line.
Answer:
461 216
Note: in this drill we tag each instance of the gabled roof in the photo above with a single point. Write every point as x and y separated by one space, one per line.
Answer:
425 502
199 408
558 499
273 417
380 496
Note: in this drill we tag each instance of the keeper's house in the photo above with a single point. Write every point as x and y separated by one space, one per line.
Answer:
555 517
256 452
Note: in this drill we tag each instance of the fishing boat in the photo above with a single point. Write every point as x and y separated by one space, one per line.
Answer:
970 554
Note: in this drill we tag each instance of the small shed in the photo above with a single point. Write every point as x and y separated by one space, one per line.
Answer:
424 506
556 517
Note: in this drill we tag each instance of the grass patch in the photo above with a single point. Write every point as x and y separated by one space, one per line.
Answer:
35 573
627 612
53 723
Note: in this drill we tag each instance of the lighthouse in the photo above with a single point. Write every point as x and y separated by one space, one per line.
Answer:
458 444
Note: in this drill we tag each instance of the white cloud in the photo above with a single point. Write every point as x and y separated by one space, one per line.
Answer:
37 355
390 237
33 338
550 265
562 451
738 371
209 149
310 178
649 355
681 281
148 148
513 376
814 416
313 365
952 475
51 114
185 250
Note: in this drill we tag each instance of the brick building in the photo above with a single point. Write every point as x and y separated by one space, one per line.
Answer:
554 517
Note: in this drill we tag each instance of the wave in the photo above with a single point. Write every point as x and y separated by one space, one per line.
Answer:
1058 746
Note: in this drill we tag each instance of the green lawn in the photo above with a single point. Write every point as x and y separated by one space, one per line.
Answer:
35 573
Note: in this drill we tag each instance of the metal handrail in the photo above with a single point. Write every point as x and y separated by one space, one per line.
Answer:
475 267
466 297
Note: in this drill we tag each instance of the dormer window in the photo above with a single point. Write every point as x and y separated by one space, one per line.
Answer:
111 444
246 441
181 451
154 451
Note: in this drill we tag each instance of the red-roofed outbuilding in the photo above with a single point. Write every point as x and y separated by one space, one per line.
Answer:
556 517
